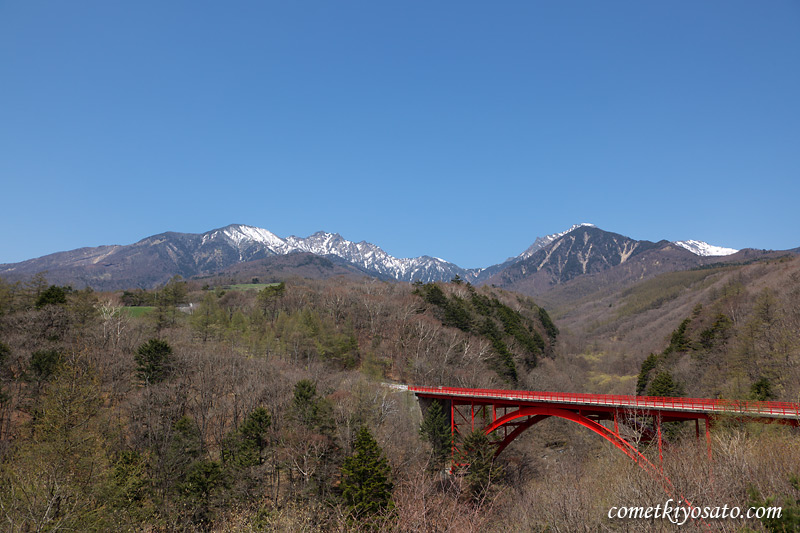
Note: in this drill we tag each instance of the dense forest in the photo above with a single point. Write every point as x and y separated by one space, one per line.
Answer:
266 407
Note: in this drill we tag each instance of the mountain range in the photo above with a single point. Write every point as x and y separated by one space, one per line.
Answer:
239 250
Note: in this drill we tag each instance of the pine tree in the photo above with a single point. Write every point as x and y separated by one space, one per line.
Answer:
244 446
482 470
644 374
53 295
153 360
308 409
366 484
436 431
268 298
761 390
664 385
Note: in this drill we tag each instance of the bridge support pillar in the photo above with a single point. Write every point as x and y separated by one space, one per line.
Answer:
453 428
660 449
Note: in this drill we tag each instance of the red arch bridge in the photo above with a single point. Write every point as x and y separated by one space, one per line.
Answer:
505 414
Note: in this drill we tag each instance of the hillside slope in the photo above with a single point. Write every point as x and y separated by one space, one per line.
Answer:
614 328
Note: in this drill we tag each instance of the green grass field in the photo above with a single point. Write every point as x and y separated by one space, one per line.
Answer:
138 310
248 286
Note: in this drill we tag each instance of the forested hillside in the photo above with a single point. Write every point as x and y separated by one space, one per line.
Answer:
740 340
243 411
717 329
262 407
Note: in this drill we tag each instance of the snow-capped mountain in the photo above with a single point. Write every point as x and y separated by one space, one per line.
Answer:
238 250
243 236
703 249
154 260
374 258
251 241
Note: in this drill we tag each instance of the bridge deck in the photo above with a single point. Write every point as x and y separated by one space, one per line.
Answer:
749 409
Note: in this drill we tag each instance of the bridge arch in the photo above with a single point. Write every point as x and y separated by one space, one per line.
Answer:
536 414
587 409
536 406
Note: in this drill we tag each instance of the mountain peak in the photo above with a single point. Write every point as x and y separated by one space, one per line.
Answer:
325 234
703 249
541 242
243 235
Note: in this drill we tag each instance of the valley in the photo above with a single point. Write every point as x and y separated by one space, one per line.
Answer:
243 398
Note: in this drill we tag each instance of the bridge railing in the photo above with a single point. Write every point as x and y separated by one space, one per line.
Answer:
658 402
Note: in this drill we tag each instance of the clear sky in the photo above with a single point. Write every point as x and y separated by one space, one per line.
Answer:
457 129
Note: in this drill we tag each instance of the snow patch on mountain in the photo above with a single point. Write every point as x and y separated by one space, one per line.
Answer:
703 249
240 235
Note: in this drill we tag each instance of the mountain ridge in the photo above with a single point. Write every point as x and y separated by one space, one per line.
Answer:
551 260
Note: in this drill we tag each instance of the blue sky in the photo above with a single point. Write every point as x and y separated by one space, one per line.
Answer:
461 129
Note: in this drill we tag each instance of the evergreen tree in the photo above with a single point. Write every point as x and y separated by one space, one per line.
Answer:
203 480
53 295
504 362
482 470
43 364
664 385
434 295
244 446
174 453
436 431
547 322
366 484
268 298
679 342
761 390
457 315
644 373
153 360
308 408
186 443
